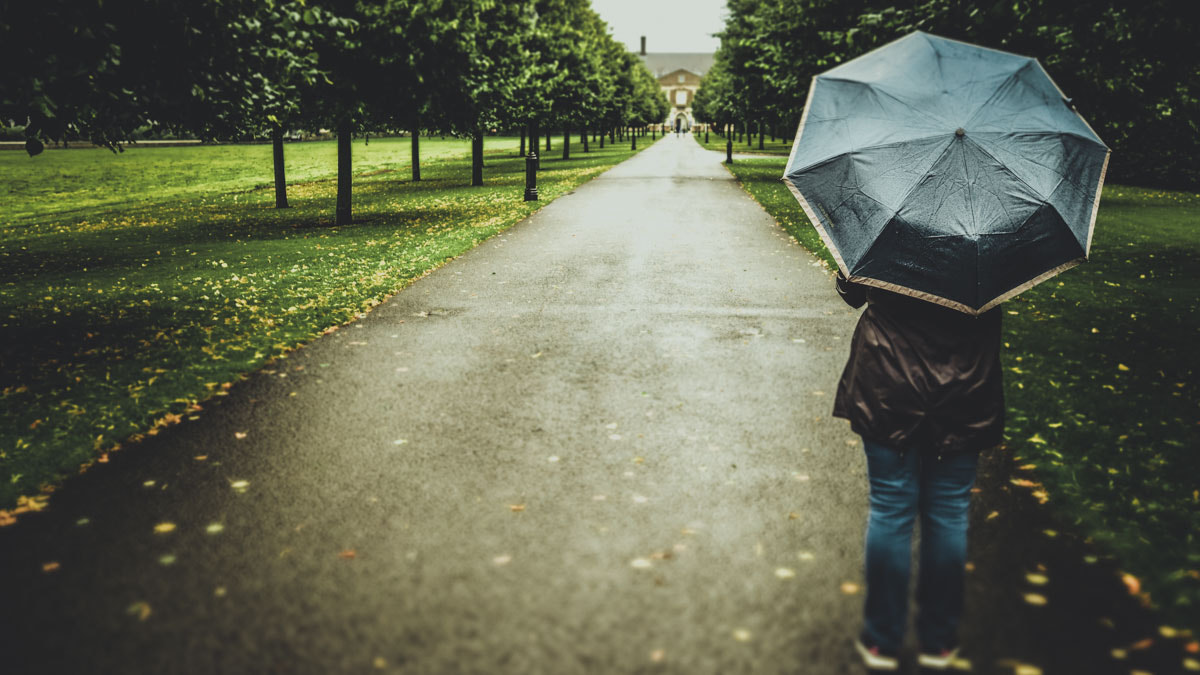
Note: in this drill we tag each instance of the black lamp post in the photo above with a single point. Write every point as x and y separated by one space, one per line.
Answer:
531 160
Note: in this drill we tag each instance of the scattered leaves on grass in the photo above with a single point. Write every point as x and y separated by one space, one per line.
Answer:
139 609
1131 583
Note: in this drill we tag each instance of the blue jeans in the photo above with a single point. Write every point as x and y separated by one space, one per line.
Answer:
904 484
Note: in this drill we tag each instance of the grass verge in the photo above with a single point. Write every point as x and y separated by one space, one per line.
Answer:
1100 382
778 146
80 180
120 319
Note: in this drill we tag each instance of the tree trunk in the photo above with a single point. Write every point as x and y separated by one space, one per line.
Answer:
477 158
612 135
566 142
601 138
548 135
728 145
585 141
280 181
343 184
416 152
522 142
760 135
632 138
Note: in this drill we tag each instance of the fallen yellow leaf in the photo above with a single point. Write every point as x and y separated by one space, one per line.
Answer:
1035 599
849 587
163 528
1131 583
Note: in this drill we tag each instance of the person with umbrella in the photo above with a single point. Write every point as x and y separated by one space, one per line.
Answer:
944 178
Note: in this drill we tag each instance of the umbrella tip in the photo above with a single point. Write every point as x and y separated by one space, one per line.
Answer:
959 131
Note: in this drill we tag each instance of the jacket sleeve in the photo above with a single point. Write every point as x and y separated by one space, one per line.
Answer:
853 294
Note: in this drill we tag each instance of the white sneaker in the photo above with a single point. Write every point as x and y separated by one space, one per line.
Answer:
875 660
940 661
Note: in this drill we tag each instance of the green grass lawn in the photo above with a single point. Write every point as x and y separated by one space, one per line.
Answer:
79 180
1101 381
119 317
779 146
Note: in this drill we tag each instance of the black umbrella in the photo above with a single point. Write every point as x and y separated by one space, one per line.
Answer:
946 171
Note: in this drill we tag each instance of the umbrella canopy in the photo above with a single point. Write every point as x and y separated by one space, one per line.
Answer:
947 171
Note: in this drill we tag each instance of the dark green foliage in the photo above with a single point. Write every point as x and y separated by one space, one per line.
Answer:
1130 68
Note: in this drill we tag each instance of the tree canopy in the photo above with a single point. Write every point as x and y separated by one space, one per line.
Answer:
1130 68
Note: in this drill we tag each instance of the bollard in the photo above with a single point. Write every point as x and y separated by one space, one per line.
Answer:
531 160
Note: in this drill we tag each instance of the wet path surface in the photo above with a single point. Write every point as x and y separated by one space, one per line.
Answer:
599 442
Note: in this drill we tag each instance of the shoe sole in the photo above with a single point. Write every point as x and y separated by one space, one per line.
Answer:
876 661
936 662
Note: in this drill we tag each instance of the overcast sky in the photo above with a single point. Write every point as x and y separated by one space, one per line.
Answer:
668 26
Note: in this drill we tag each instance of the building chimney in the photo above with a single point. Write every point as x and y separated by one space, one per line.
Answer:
643 52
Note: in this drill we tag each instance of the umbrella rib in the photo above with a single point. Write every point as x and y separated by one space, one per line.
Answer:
1010 171
918 183
806 167
881 90
996 93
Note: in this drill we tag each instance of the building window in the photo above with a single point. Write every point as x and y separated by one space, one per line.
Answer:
683 78
680 97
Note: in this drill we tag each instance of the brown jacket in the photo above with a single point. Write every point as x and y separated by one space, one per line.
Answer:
921 375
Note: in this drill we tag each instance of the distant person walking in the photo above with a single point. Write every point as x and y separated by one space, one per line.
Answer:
923 388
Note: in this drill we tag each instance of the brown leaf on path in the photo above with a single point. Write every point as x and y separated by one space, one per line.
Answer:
50 566
516 508
239 434
849 587
348 554
657 655
1144 643
793 515
1022 482
1035 599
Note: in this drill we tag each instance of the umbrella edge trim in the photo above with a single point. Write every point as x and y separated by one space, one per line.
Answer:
800 129
820 228
1096 204
966 309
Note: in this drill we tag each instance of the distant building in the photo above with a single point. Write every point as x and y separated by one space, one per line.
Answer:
679 75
